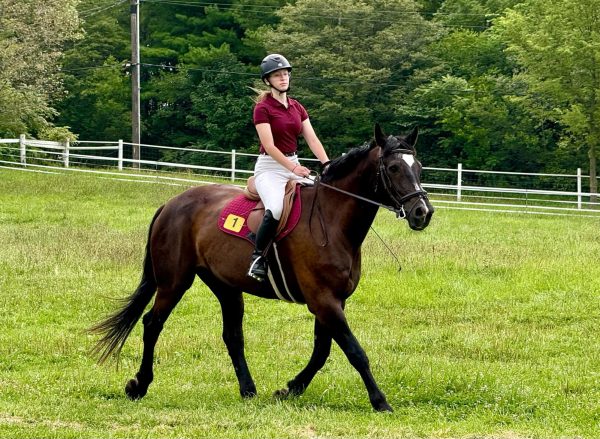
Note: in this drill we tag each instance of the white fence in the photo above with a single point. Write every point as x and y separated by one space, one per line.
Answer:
457 188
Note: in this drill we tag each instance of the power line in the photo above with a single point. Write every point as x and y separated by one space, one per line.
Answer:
275 7
337 18
169 67
93 11
79 69
246 8
336 80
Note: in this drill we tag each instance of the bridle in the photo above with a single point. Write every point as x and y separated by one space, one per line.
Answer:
387 184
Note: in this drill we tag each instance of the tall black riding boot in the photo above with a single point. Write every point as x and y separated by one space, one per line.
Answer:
264 236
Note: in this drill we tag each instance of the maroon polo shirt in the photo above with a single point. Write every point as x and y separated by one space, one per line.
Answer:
286 123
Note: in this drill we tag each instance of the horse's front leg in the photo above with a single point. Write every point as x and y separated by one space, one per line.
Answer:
332 316
319 356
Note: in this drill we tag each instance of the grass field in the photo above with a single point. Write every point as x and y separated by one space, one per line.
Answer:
490 329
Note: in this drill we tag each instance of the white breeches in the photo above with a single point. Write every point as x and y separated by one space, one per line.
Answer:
271 178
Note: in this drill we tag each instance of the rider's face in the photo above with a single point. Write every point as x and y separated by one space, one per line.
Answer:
280 79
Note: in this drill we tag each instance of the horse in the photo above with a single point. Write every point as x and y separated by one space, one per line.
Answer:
322 271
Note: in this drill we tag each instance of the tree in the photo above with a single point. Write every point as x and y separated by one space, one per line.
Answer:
465 100
556 43
97 102
221 102
32 36
472 107
204 99
348 57
206 103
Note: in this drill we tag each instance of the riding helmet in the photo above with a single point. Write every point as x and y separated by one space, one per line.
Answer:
272 63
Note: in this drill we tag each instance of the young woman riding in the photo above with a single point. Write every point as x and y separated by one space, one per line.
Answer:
279 120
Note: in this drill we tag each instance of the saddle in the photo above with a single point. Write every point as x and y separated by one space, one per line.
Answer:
242 216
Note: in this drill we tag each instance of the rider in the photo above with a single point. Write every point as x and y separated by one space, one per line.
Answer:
279 120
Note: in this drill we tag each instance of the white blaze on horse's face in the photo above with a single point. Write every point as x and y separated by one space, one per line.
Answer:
409 159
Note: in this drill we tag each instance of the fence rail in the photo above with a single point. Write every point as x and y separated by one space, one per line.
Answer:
457 188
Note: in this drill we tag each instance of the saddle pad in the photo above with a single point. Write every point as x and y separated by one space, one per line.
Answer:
234 217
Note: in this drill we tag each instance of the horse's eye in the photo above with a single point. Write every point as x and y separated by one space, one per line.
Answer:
394 168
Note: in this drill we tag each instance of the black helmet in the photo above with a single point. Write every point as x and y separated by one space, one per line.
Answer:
272 63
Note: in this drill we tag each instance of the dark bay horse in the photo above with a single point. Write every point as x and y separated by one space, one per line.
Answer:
321 259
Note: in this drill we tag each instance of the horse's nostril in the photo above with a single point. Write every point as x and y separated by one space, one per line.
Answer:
420 212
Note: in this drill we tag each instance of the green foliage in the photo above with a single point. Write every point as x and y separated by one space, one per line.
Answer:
57 134
205 101
98 103
465 99
222 105
167 98
32 36
23 110
205 104
492 130
346 72
556 44
468 14
485 80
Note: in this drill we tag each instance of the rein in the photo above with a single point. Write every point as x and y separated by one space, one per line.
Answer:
398 212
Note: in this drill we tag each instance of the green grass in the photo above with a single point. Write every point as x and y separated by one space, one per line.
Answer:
490 329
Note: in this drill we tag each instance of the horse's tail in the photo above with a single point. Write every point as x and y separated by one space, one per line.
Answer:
116 328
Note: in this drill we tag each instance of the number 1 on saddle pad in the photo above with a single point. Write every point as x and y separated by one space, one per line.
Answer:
234 223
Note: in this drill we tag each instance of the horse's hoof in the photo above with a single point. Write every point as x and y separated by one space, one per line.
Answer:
383 407
134 391
249 393
281 394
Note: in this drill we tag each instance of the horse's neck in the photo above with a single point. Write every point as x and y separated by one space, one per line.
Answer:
352 216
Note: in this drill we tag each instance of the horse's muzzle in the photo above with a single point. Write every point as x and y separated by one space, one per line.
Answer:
419 213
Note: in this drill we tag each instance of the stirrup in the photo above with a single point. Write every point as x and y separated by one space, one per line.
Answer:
258 269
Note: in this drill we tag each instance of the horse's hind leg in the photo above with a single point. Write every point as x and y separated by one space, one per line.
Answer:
321 350
153 320
232 308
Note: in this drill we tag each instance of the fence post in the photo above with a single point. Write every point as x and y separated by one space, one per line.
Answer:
579 188
120 155
66 153
22 149
232 165
459 183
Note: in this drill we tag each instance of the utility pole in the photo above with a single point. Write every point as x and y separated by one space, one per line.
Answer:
135 81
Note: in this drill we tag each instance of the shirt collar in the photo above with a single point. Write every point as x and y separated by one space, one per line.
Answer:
276 102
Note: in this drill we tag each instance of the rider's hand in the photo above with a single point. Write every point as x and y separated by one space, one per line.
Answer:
301 171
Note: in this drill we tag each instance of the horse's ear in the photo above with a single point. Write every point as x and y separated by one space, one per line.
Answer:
411 139
380 137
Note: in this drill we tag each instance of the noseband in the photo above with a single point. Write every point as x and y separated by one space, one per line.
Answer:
388 186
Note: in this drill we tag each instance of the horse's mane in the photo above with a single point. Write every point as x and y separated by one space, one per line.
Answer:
343 165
